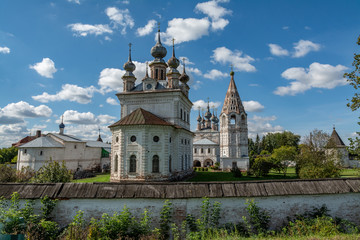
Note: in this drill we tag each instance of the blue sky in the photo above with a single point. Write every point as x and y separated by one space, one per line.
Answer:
65 57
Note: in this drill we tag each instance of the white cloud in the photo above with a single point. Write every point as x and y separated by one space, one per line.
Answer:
37 126
111 101
185 30
261 125
45 68
12 133
75 117
203 105
110 78
83 30
196 84
307 28
4 50
74 1
120 18
253 106
107 38
194 70
240 62
215 74
215 12
147 29
285 27
303 47
125 2
277 50
316 76
69 92
16 112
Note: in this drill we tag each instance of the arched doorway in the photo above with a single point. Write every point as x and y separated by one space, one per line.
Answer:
208 163
197 163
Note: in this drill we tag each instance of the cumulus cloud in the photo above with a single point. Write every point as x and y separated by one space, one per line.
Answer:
120 18
316 76
303 47
16 112
215 12
45 68
69 92
147 29
253 106
185 30
240 61
12 133
85 118
112 101
110 78
4 50
74 1
262 126
203 105
83 30
277 50
215 74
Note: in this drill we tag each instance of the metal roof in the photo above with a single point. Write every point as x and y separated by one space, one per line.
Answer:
205 141
97 144
139 87
336 139
67 138
42 142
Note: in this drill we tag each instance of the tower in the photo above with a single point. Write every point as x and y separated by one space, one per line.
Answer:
233 128
173 74
62 125
129 78
158 66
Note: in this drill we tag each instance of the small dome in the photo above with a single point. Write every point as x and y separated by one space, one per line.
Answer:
208 115
173 62
184 78
158 51
129 66
199 118
215 119
61 125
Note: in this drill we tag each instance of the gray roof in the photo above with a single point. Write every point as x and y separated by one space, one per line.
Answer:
67 138
184 190
97 144
42 142
205 141
139 87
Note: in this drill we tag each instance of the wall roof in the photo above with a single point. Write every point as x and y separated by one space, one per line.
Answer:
42 142
171 190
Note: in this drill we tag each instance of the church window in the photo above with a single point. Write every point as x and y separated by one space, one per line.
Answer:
156 138
156 73
234 165
209 150
186 167
202 150
182 141
116 162
194 150
181 115
188 119
25 151
41 153
132 163
133 138
232 120
170 139
182 162
170 163
117 139
162 75
155 164
74 146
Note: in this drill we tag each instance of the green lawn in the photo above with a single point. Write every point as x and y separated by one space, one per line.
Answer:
226 176
99 178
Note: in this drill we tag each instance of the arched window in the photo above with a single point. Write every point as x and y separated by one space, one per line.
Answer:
132 163
186 162
155 164
232 119
116 162
170 163
181 115
162 75
188 119
184 116
182 162
194 150
41 153
156 73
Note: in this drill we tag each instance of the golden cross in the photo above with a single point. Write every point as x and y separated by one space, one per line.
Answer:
158 26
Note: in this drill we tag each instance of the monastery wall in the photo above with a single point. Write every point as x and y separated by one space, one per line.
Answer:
280 198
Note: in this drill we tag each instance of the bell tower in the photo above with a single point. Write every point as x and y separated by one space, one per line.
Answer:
158 66
233 125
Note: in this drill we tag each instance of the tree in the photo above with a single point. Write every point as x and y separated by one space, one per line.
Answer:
7 154
272 141
53 172
283 156
354 80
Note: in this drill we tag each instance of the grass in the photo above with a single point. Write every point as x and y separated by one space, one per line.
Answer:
99 178
225 176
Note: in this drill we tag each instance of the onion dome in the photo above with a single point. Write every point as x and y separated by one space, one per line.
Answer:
184 78
173 61
62 125
199 118
208 113
158 51
129 66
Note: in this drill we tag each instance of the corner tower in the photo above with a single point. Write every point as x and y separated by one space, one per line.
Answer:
233 130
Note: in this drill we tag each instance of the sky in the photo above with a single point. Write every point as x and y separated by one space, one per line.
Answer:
65 57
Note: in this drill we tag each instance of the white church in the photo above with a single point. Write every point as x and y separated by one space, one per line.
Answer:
153 142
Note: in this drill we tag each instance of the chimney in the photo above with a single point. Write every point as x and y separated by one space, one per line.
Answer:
38 133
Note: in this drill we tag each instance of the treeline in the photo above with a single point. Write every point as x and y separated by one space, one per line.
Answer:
8 155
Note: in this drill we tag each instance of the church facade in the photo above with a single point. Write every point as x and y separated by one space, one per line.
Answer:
152 141
227 142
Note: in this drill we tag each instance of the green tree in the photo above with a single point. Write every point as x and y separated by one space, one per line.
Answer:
52 172
273 141
353 78
7 154
283 156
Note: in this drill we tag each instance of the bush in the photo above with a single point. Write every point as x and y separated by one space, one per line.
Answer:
8 174
262 166
236 172
83 174
52 172
25 174
259 219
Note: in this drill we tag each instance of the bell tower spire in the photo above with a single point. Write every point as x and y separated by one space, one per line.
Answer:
173 75
158 66
129 78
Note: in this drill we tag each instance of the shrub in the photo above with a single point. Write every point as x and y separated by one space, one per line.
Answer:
25 174
259 219
236 172
83 174
261 166
8 174
52 172
165 220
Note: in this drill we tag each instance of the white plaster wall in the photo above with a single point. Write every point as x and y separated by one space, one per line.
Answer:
232 209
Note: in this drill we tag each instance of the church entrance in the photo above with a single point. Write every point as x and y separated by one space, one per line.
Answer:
197 163
208 163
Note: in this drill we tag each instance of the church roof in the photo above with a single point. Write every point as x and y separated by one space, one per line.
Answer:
205 141
139 87
141 117
335 139
43 142
66 138
232 102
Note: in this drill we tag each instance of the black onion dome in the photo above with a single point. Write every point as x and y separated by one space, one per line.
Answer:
173 62
184 78
158 51
129 66
199 118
